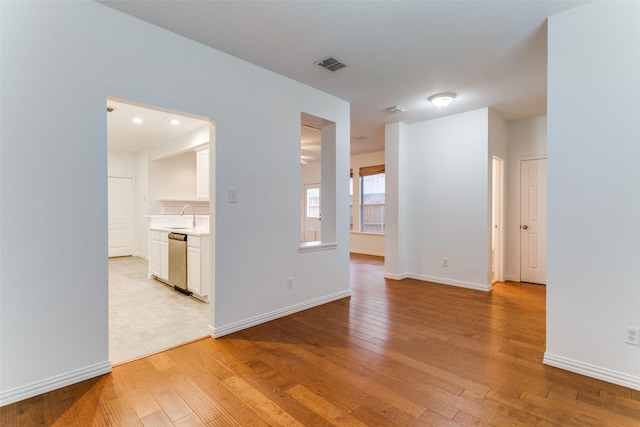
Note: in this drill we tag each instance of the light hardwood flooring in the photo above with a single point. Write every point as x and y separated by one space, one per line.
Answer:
403 353
147 316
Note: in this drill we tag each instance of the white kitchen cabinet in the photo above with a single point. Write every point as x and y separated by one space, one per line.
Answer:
198 266
164 256
202 173
159 255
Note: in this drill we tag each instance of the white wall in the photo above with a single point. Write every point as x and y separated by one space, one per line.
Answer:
172 178
67 54
122 163
593 288
527 138
364 243
447 200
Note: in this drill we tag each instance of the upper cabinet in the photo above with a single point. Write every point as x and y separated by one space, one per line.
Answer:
202 173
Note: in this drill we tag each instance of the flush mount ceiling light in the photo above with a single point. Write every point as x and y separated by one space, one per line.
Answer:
397 109
441 100
359 138
137 120
175 122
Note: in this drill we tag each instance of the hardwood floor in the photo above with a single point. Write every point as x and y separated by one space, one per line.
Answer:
396 353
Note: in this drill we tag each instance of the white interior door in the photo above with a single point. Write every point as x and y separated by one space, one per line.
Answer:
312 221
533 221
120 216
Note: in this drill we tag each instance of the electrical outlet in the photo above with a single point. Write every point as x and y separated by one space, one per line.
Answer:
632 335
445 262
290 282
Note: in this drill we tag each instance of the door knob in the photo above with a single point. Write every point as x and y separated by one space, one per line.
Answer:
524 227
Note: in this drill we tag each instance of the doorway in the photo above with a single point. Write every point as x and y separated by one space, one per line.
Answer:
158 151
533 220
497 220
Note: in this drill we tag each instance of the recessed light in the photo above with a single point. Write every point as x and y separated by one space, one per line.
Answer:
137 120
175 122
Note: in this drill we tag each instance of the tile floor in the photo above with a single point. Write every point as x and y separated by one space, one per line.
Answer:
147 316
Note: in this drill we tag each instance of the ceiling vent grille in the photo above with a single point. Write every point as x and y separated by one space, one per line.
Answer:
331 64
397 109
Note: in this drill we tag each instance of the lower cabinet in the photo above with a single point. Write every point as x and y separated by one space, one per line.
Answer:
197 261
159 255
197 266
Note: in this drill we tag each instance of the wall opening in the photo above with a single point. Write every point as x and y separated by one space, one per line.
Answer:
318 182
166 155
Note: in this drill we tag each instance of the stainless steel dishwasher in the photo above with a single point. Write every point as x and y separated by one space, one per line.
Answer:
178 262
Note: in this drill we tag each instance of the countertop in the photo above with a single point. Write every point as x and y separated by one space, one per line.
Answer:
189 231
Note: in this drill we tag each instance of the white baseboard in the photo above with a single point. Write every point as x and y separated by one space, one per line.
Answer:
450 282
53 383
220 331
394 276
592 371
510 278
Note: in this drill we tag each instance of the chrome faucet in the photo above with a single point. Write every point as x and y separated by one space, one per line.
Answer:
193 212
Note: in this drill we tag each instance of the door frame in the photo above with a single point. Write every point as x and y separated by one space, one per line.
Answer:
519 161
497 212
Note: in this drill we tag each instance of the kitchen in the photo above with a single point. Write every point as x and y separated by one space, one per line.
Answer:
159 172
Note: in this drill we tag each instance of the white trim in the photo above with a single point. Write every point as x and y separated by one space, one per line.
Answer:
316 246
53 383
394 276
459 283
592 371
519 161
450 282
510 278
217 332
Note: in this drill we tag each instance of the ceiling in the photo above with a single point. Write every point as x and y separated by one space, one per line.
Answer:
490 53
154 128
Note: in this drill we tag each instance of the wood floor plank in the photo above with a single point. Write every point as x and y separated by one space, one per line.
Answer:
323 407
191 420
206 408
235 407
58 406
169 400
156 419
269 410
395 353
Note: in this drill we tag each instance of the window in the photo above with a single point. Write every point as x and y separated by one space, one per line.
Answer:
313 202
372 199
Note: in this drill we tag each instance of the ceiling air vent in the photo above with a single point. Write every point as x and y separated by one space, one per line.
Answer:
331 64
397 109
